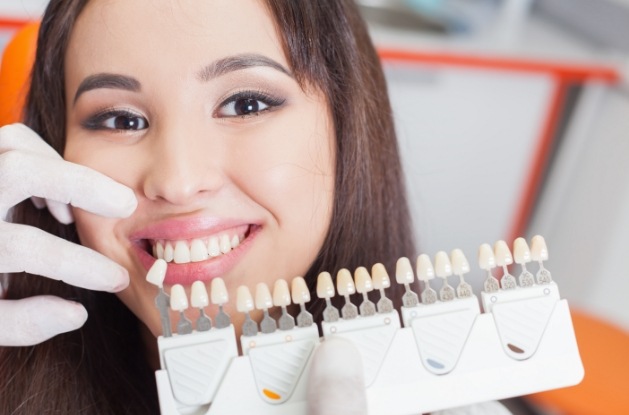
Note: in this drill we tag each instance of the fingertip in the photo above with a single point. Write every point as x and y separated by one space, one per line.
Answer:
121 280
60 211
124 201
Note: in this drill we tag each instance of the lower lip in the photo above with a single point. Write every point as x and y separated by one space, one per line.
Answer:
186 274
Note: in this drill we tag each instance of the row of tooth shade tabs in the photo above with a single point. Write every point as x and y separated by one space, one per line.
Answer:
363 282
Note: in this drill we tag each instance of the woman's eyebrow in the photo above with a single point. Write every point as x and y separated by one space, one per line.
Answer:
238 62
107 80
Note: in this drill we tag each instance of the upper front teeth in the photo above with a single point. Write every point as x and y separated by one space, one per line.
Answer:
183 252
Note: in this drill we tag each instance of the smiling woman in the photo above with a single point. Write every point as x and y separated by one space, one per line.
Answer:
257 140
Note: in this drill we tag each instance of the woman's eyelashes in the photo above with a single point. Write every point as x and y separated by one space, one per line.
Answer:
116 120
247 104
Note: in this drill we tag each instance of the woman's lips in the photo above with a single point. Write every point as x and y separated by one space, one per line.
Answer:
175 232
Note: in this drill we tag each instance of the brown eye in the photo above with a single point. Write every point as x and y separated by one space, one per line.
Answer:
123 122
117 120
247 104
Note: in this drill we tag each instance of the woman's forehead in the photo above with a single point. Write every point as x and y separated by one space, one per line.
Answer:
123 35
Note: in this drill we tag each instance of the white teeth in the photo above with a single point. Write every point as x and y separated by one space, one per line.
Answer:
198 295
460 265
157 272
299 291
539 252
169 253
345 283
244 301
182 253
363 280
443 267
178 299
198 251
502 253
225 244
521 251
219 291
425 270
213 247
325 287
281 294
380 277
264 301
404 271
486 259
159 250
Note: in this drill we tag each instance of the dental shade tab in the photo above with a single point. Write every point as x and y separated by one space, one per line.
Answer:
443 352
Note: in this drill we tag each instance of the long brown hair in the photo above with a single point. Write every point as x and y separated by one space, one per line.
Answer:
101 368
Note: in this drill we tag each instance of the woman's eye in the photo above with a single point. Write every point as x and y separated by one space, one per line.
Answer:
119 120
247 104
123 122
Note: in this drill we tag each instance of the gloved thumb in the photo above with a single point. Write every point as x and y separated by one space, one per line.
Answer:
336 384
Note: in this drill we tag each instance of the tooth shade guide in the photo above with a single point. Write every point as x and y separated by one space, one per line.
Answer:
300 294
345 286
381 281
325 290
264 301
404 275
364 285
199 299
539 253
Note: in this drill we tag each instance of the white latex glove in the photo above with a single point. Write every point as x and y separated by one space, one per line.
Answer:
336 384
31 168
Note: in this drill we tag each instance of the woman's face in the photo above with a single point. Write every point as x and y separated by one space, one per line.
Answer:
193 106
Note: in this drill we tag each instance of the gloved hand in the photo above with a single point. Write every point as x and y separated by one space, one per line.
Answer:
336 384
31 168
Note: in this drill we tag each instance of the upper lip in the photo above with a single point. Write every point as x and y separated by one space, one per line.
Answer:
185 229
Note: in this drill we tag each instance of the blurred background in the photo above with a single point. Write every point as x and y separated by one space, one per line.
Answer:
513 120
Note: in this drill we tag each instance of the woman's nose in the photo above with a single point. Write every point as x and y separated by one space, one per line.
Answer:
182 168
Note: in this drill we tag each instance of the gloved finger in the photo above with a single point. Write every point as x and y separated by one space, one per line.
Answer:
38 202
36 319
60 211
26 248
21 138
26 174
336 384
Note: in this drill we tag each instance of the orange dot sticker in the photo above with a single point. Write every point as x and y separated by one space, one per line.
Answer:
270 394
